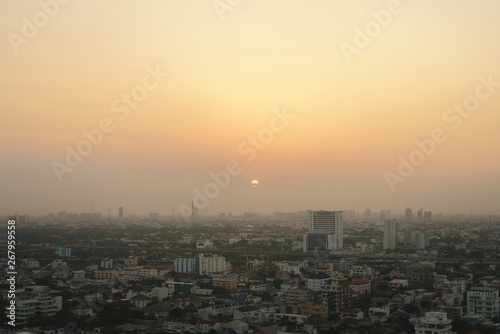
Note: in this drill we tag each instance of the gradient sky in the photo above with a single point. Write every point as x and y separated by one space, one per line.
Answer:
352 120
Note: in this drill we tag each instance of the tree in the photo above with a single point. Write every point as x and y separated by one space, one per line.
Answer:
412 309
176 312
219 290
460 327
267 296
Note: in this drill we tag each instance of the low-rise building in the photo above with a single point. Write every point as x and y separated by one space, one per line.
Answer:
106 274
313 309
434 323
81 310
352 314
298 296
398 283
228 283
361 286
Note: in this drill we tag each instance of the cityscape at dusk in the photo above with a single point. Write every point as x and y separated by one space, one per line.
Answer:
250 167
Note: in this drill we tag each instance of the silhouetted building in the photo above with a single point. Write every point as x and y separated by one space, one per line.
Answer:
390 234
409 215
428 216
419 239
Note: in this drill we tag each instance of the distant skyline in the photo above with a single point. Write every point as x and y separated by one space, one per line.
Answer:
165 214
169 93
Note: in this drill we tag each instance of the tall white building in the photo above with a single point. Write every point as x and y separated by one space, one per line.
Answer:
390 234
211 264
434 323
483 301
185 265
331 222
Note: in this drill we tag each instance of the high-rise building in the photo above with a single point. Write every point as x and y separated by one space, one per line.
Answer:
120 212
61 216
72 217
185 265
337 295
409 215
331 222
348 214
428 216
387 213
390 234
483 301
211 264
194 210
384 215
419 239
434 323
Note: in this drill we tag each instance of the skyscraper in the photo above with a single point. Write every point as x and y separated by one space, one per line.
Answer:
419 239
427 216
331 222
409 215
120 212
194 211
390 234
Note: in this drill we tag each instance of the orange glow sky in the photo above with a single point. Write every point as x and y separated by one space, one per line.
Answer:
352 120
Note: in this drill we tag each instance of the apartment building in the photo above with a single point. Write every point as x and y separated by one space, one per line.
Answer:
434 323
483 301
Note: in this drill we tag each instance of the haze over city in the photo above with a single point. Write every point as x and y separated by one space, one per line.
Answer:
273 86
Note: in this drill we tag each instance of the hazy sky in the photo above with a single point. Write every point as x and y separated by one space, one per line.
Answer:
230 69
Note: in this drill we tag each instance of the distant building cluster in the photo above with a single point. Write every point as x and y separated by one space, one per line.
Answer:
304 272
